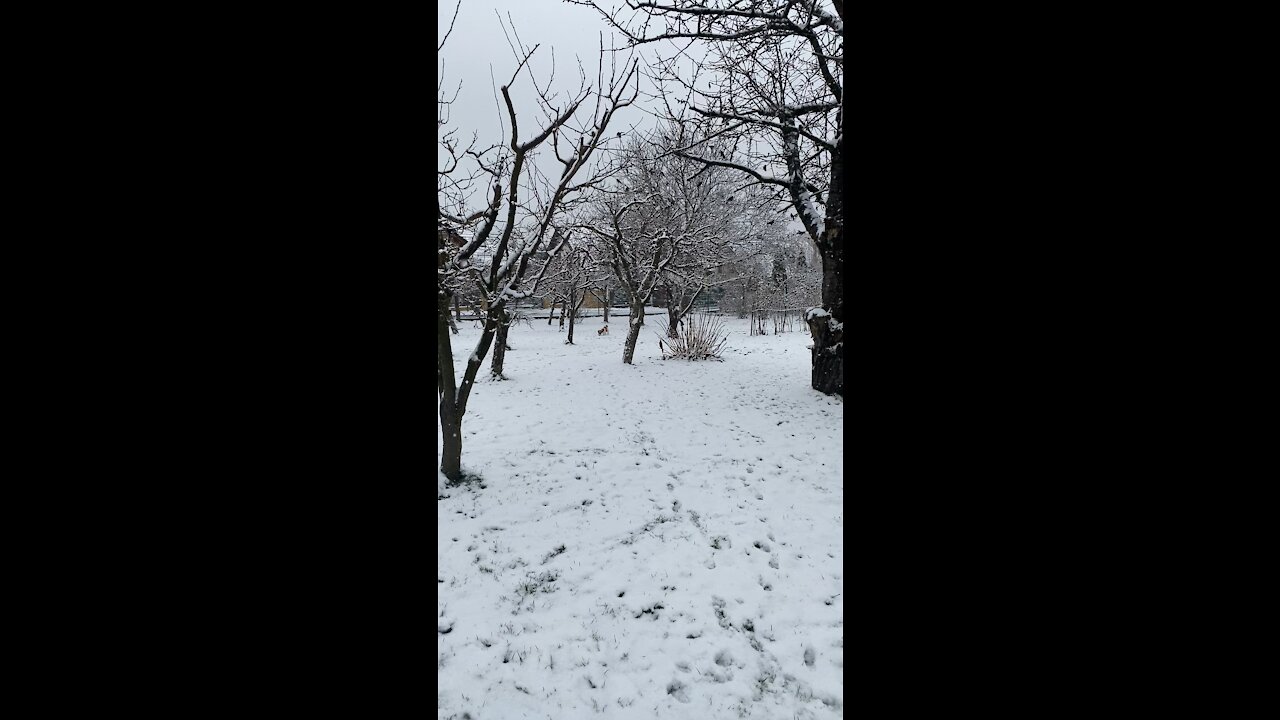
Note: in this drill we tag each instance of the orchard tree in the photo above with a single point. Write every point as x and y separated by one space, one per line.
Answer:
665 222
635 251
575 130
767 76
568 282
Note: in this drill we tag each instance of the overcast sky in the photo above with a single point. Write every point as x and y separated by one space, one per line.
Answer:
477 55
477 45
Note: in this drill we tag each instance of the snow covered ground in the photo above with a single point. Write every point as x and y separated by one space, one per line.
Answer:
657 540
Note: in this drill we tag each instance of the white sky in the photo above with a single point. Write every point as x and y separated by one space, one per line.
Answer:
477 55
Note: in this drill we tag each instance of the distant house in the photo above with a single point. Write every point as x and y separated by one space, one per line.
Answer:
589 302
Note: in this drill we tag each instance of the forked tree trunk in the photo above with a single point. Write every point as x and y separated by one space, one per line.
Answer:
633 332
446 380
677 309
453 400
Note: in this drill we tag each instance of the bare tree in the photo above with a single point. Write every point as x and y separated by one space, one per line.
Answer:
579 280
603 288
771 82
568 282
635 252
670 223
510 272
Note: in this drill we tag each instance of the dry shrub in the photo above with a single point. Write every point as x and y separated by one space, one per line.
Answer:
701 337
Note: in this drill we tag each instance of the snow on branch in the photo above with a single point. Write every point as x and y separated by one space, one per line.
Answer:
809 212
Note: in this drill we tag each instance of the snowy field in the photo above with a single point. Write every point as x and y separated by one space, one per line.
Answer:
658 540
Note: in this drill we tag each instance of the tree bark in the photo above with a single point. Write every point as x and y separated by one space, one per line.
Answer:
453 400
500 346
633 332
457 311
828 332
608 300
573 315
446 380
673 313
451 452
450 419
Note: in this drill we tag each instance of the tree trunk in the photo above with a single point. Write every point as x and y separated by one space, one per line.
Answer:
551 313
673 314
457 311
446 380
450 419
453 401
572 316
633 332
451 432
828 331
500 346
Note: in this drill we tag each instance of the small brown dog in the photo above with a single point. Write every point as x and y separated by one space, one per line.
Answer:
603 331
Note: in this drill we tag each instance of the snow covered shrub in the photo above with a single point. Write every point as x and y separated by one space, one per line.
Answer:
699 337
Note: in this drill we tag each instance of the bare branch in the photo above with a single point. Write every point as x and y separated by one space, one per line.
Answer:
446 35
